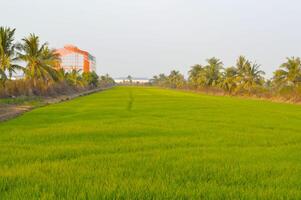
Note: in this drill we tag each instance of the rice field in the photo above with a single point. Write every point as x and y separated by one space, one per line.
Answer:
151 143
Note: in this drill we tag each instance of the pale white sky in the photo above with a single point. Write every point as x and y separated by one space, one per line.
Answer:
147 37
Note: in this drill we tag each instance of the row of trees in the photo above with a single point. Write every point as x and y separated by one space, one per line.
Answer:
243 78
41 68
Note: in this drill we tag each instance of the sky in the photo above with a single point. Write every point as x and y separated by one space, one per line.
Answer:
147 37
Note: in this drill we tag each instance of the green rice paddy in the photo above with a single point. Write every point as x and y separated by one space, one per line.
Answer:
150 143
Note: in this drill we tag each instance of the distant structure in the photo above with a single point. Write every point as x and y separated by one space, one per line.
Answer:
126 80
74 58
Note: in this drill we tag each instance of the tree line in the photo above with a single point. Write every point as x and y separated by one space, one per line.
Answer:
41 67
244 78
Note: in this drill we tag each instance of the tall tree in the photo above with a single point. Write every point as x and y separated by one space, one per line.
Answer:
249 76
41 62
194 75
229 79
8 56
289 72
176 79
160 80
242 64
106 80
213 71
253 77
130 79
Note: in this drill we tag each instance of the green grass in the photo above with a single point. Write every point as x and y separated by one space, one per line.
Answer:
149 143
22 100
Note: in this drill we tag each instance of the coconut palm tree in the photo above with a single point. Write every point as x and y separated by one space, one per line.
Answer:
8 56
290 72
213 71
242 64
106 80
194 75
176 79
160 80
253 77
41 61
229 79
74 78
249 76
163 80
51 60
130 79
61 75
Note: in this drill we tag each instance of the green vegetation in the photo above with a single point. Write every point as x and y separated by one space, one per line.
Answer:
150 143
22 100
42 71
245 78
7 54
106 80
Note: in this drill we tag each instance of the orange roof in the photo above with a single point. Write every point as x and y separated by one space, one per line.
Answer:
69 49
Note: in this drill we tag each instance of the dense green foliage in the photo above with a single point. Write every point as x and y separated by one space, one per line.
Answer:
106 80
40 60
8 55
149 143
245 78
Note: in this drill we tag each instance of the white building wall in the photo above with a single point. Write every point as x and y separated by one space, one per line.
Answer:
125 80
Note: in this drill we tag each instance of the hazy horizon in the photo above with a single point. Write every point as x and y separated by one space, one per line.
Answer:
143 38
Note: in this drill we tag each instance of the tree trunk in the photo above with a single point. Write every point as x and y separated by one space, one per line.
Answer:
34 83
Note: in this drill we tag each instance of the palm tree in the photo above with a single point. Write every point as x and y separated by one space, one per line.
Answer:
194 75
8 56
74 78
52 60
176 79
155 80
290 74
130 78
61 75
106 80
253 77
41 61
248 74
242 64
213 71
160 80
229 79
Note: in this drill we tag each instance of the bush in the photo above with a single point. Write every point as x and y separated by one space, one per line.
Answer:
24 88
90 79
106 81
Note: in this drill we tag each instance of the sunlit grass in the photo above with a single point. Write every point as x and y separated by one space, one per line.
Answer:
149 143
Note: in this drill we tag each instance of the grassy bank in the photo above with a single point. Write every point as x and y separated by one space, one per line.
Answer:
22 100
146 143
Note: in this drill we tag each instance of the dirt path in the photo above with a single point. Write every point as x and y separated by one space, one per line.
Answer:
11 111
